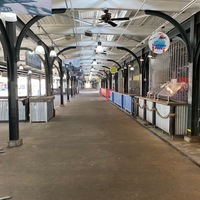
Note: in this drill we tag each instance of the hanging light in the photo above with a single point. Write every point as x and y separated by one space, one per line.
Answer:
39 49
99 48
30 72
8 16
131 67
94 62
92 69
150 55
53 52
21 67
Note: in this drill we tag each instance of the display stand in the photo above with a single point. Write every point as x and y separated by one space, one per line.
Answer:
23 107
41 108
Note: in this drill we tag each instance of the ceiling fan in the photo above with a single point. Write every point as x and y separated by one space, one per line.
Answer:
107 18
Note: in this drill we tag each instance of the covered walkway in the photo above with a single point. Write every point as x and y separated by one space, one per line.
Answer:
93 151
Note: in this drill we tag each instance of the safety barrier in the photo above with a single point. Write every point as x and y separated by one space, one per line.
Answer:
105 92
124 101
127 103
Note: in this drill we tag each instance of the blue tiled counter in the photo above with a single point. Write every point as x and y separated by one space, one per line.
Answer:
124 101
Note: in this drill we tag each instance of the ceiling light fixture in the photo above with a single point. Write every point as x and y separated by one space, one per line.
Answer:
53 52
94 62
30 72
21 67
131 67
8 16
92 69
99 48
150 55
39 49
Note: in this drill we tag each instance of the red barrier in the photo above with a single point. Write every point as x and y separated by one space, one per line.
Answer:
182 79
105 92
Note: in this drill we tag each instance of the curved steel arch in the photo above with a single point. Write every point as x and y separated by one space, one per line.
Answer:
106 67
6 42
61 51
133 54
26 28
177 25
26 48
115 62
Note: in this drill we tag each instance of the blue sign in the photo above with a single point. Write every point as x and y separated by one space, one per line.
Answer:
31 7
33 60
159 42
71 64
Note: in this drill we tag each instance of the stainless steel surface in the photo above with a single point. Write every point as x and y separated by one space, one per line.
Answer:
149 111
141 108
41 109
4 110
181 120
163 123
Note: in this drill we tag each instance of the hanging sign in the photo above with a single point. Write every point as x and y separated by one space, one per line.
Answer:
113 70
71 64
159 42
31 7
33 60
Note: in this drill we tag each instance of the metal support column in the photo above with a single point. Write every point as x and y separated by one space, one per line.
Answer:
110 80
67 77
61 85
13 89
49 74
74 86
71 86
125 80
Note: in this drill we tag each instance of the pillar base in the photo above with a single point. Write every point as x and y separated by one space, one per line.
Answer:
191 138
68 100
62 105
15 143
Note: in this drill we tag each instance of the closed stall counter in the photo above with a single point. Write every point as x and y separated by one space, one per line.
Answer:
23 108
41 108
169 116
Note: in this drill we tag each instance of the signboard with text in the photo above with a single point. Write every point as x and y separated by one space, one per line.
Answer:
159 42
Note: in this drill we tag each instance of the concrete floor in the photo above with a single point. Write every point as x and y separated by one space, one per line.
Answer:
94 151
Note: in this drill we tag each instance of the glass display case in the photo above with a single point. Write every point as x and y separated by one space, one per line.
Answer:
153 93
167 90
170 89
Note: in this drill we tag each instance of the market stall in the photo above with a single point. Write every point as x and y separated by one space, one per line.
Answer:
23 108
159 110
41 108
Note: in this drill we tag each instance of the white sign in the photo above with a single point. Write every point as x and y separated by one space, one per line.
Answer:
159 42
